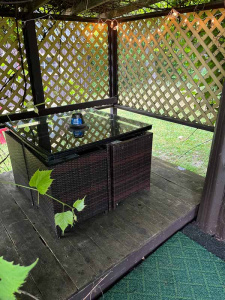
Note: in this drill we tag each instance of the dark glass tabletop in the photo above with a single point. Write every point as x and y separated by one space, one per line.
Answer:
52 137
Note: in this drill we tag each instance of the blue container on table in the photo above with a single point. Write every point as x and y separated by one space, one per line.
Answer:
77 119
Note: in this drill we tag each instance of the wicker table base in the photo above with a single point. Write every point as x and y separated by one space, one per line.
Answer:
105 176
130 164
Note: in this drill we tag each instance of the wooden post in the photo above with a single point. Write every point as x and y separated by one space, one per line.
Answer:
30 41
113 76
211 211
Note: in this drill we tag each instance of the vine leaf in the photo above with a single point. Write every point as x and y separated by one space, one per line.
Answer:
36 110
79 204
64 219
12 277
41 180
75 217
28 104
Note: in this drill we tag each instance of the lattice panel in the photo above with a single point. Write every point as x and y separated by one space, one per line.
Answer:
74 61
174 67
15 89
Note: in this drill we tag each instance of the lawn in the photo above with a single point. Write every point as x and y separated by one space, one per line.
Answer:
171 142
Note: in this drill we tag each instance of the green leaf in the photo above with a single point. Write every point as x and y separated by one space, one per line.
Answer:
36 110
64 219
41 181
29 105
75 217
79 204
12 277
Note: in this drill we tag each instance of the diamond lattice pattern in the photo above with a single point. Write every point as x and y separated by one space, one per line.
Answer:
15 89
74 61
174 67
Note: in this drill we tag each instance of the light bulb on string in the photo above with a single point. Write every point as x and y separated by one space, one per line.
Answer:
100 25
197 25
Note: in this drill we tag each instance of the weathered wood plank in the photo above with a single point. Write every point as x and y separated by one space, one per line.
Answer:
107 244
111 247
189 197
113 229
117 271
72 259
51 279
9 253
181 178
157 161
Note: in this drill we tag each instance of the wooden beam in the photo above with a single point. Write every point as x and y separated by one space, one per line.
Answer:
211 211
84 105
85 5
25 16
113 64
187 9
100 104
165 118
130 7
30 42
112 43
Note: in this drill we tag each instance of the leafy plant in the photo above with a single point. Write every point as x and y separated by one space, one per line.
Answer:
41 182
12 277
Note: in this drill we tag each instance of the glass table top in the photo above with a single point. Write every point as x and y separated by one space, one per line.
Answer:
52 137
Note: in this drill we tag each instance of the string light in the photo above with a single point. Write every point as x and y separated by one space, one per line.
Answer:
112 23
174 14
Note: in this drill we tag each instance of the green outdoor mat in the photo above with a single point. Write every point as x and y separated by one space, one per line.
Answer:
179 269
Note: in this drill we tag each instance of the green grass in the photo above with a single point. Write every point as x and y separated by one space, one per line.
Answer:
169 143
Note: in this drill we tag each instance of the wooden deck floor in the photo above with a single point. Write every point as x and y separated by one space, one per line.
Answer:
101 249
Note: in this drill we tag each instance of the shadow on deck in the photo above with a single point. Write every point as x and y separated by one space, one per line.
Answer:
102 249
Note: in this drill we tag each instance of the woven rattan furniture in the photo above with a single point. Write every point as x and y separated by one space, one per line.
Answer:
130 166
83 162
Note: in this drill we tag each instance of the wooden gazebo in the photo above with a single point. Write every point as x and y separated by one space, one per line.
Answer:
163 62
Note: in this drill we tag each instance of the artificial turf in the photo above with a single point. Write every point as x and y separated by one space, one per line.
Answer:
179 269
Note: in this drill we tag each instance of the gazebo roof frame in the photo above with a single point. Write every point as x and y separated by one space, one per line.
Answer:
74 17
